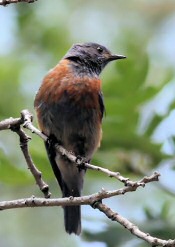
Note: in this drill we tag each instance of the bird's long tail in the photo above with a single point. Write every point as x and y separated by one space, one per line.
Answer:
72 214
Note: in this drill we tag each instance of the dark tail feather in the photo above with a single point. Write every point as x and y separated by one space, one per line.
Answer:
72 219
72 214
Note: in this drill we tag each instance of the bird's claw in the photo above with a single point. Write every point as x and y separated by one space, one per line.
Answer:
80 161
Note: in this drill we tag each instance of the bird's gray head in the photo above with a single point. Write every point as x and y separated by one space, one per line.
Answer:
92 56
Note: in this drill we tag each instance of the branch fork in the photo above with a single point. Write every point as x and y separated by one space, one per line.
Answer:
94 200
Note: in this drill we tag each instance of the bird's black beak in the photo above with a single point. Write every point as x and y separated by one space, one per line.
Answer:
115 57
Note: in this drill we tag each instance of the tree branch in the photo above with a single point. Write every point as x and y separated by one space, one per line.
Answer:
114 216
72 201
95 200
10 122
27 120
15 125
6 2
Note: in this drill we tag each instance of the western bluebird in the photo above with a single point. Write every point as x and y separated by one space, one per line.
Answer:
69 106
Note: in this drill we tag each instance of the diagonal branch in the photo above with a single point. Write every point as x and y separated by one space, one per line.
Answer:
6 2
26 115
15 125
95 200
35 172
69 201
26 120
133 228
10 122
73 201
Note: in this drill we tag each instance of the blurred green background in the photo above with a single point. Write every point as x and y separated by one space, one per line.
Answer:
138 129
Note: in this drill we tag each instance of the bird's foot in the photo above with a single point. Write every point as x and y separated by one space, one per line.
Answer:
52 140
80 161
95 204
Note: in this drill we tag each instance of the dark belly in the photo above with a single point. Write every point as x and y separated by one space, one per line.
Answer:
76 127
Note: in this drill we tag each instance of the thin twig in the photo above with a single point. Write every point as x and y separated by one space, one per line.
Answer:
6 2
15 125
133 228
27 119
35 172
69 201
95 200
9 122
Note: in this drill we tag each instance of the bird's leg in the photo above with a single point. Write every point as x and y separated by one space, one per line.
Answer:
95 204
52 140
80 161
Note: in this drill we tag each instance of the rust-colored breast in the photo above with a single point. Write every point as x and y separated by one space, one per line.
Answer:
62 80
64 88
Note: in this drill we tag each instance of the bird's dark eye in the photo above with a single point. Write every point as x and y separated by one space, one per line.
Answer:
100 49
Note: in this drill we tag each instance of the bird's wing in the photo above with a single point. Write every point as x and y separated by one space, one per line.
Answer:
51 155
101 102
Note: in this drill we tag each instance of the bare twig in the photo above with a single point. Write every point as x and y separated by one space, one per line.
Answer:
35 172
95 200
80 162
6 2
133 228
15 125
9 122
27 119
69 201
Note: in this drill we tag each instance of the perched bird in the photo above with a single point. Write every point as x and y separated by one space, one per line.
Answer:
69 107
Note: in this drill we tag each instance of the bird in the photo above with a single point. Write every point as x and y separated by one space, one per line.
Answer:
69 106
